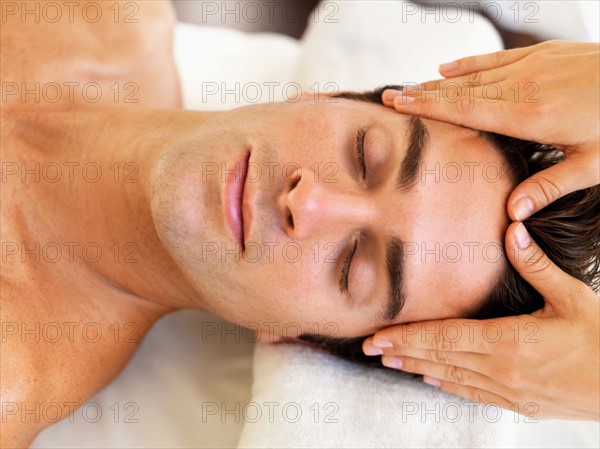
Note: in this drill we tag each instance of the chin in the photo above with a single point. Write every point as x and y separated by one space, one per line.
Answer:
174 219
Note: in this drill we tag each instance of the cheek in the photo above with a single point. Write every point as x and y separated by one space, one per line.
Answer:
312 136
295 278
295 292
298 287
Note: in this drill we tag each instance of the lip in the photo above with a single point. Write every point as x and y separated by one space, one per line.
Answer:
236 208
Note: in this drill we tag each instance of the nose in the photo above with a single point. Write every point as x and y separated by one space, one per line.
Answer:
312 206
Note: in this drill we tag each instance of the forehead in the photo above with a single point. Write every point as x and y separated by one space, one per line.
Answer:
455 244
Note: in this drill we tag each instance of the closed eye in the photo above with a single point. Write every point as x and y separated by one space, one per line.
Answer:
346 269
360 149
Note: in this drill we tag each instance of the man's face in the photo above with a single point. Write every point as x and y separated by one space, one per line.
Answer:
324 238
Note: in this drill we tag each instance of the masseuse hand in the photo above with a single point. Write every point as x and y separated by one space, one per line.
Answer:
544 365
547 93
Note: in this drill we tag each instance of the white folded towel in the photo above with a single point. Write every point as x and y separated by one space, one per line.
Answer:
306 397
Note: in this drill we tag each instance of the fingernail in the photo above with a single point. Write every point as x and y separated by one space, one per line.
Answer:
523 208
382 343
522 236
391 362
369 349
432 381
448 66
391 94
403 100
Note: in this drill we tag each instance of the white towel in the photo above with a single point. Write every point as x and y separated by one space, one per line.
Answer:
306 397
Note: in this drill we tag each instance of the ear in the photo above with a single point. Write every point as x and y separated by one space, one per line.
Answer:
264 337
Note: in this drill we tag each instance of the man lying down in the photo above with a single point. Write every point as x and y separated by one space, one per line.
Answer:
321 219
347 242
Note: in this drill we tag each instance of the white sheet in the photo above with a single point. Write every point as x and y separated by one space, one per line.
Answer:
165 394
253 68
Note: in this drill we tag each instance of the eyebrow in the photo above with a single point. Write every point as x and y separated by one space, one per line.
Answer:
418 136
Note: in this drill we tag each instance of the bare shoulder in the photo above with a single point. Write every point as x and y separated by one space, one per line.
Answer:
116 53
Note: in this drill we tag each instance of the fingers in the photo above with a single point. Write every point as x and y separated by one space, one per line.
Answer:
461 106
445 89
462 382
472 80
441 335
537 268
480 363
442 372
548 185
473 393
487 61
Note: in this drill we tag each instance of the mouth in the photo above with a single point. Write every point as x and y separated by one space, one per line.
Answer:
235 207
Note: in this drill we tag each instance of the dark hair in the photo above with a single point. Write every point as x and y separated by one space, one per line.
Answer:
567 230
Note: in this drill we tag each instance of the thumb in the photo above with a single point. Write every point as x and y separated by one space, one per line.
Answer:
548 185
538 270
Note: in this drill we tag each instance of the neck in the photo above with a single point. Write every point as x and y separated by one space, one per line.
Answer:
100 207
